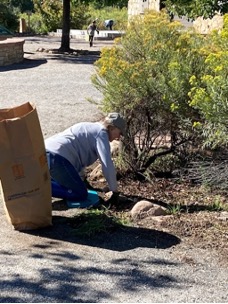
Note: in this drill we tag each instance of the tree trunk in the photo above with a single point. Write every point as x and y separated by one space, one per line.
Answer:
65 41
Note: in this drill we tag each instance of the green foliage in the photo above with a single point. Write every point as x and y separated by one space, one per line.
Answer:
95 221
80 16
8 17
119 15
209 92
216 205
195 8
49 14
170 84
146 76
23 5
166 163
175 209
100 4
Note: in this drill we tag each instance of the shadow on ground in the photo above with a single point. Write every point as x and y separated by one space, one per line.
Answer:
74 278
88 58
50 267
77 57
25 64
119 238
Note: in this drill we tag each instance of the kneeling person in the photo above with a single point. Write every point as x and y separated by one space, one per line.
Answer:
78 147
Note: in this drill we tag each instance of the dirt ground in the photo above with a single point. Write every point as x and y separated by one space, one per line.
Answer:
194 214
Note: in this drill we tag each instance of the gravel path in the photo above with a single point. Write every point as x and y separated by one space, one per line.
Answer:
53 266
58 84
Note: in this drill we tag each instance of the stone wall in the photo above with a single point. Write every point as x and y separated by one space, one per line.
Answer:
205 26
137 7
11 51
82 34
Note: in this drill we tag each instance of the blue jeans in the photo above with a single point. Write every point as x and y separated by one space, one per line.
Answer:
63 173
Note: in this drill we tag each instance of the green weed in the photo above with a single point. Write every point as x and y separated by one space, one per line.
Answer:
174 209
95 221
217 205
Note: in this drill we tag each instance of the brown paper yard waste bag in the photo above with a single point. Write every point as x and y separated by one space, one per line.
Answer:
24 175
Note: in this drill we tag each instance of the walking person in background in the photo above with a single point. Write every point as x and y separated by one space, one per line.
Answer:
109 24
91 31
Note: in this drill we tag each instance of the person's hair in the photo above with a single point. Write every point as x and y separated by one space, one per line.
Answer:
107 123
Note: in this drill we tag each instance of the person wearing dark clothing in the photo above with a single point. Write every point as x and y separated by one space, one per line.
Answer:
91 31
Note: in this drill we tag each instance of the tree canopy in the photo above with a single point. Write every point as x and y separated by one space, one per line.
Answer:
104 3
7 16
195 8
23 5
172 92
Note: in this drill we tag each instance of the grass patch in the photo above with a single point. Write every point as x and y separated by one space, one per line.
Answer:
218 205
95 221
175 209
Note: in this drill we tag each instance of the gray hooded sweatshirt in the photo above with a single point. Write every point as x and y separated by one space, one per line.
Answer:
82 144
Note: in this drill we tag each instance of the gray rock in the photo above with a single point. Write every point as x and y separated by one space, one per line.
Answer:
146 206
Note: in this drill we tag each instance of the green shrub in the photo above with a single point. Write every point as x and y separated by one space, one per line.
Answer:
119 15
146 76
209 92
80 16
8 17
48 16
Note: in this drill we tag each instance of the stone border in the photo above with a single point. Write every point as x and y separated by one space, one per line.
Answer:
82 34
11 51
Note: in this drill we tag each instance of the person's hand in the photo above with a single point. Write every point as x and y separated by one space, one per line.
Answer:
114 199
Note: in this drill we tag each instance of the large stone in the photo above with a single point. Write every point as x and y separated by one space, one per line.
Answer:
147 207
138 7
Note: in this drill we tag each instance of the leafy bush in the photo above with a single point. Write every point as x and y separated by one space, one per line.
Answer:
8 18
97 4
195 8
119 15
146 76
48 16
209 92
80 16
